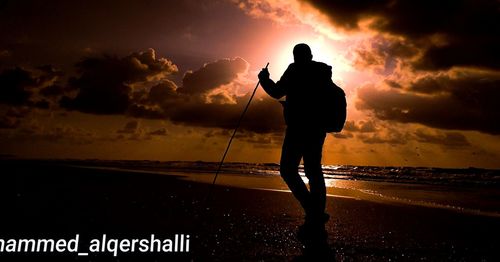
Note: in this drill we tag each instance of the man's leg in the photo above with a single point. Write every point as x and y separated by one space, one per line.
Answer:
291 155
312 167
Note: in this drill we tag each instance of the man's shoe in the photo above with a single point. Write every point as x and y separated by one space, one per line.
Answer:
311 233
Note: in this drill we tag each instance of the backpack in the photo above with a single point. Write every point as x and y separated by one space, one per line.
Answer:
323 105
333 108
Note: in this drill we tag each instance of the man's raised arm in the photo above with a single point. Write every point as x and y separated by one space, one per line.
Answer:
275 90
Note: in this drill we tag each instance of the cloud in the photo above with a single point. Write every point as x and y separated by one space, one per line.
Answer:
258 140
449 33
132 130
213 75
16 84
159 132
448 139
104 84
35 131
9 122
5 53
460 99
53 90
343 135
384 54
286 13
261 140
361 126
139 85
439 59
13 116
397 136
22 87
352 127
379 132
162 92
264 115
129 128
209 98
389 136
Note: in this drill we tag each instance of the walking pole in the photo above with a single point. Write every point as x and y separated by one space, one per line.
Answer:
231 140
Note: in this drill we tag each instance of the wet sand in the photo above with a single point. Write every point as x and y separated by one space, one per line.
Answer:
47 199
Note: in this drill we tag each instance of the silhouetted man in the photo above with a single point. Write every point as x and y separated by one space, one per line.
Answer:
302 83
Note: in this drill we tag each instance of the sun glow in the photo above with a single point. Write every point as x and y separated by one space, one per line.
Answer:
323 50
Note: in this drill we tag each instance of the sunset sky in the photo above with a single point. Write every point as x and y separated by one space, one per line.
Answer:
167 80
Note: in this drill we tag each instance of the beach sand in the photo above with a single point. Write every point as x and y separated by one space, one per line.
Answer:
50 199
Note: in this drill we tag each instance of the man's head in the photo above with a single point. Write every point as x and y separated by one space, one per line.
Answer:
302 53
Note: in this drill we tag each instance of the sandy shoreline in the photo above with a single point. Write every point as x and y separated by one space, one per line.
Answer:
240 224
441 197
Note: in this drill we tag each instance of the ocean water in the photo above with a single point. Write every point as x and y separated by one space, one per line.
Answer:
471 191
409 175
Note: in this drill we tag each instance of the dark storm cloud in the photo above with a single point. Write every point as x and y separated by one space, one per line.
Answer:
35 131
21 87
258 140
265 141
384 54
133 130
370 132
361 126
391 136
162 92
213 75
343 135
53 90
462 99
129 128
8 122
189 32
394 136
104 83
454 42
105 86
189 105
448 139
263 116
138 85
15 86
451 33
159 132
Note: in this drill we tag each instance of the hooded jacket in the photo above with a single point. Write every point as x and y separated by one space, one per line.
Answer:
303 85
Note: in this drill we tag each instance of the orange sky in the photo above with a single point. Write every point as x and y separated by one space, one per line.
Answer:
139 81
